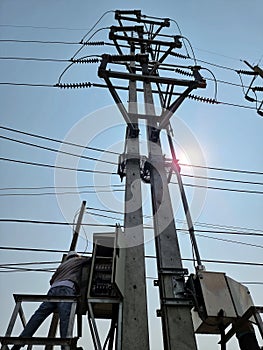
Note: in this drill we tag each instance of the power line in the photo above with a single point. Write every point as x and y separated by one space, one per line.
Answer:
238 230
59 193
247 283
57 166
38 250
62 223
114 163
231 262
113 173
4 269
88 84
56 140
32 263
220 188
40 41
197 234
34 59
218 54
55 150
57 28
147 256
95 60
110 44
221 179
231 241
28 84
40 27
57 187
59 223
116 153
222 169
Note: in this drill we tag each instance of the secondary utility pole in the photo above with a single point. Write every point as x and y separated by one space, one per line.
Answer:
144 62
54 321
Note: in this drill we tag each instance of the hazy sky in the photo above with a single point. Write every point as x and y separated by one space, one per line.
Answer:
225 136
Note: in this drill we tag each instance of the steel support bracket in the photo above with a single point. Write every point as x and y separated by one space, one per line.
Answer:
184 301
174 271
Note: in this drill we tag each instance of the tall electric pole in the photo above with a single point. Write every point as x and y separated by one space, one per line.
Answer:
135 333
148 49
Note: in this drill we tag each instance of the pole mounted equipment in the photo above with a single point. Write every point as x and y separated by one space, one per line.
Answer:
142 51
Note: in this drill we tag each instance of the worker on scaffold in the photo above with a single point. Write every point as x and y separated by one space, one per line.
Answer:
64 282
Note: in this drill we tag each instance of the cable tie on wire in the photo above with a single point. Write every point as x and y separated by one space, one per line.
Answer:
92 43
257 88
203 99
183 72
246 72
88 60
74 85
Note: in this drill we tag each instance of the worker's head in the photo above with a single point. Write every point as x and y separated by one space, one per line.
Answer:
71 254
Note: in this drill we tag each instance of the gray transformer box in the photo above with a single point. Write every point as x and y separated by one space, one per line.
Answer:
219 301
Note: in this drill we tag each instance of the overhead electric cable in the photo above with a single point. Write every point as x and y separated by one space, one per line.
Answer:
28 84
221 169
110 44
57 166
38 250
59 193
221 179
40 41
40 27
115 163
23 269
88 85
56 150
34 59
113 173
40 222
229 241
56 140
231 262
57 187
218 54
116 153
148 256
62 223
220 188
31 263
76 53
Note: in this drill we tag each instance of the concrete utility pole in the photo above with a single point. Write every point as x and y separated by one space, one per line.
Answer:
135 333
175 309
147 52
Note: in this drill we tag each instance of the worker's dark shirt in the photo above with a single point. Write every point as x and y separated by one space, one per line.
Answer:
70 270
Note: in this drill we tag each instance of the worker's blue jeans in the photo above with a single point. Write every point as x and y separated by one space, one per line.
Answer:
46 308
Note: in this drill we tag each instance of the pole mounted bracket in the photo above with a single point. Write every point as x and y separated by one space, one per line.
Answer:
145 166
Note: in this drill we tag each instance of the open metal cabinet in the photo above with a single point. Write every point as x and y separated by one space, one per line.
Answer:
105 288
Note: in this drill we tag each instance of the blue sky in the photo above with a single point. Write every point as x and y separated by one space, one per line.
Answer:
222 34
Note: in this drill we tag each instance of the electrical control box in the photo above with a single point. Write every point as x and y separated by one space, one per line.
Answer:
219 300
103 289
